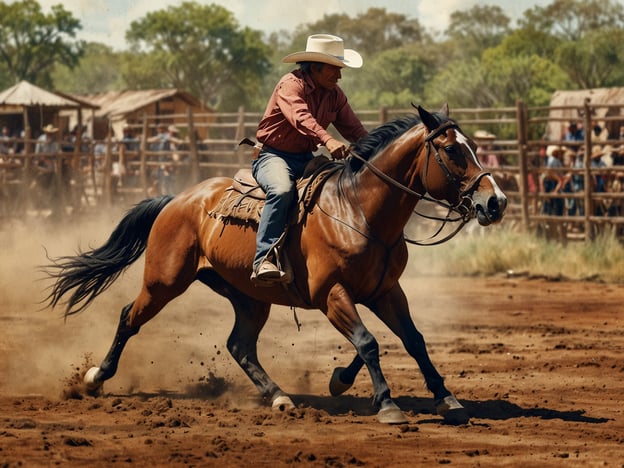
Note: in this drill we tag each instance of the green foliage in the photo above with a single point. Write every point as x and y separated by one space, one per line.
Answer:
594 60
571 20
31 42
477 29
199 48
528 77
480 61
99 70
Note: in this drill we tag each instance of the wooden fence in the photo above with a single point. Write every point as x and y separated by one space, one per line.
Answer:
97 174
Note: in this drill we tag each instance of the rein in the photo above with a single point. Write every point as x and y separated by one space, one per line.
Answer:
463 208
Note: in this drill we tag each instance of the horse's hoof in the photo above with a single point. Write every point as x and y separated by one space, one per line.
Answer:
283 403
336 386
452 411
90 378
391 414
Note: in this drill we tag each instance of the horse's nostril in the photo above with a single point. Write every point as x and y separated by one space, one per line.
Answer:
492 205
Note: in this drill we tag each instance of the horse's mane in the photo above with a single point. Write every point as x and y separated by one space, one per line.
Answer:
385 134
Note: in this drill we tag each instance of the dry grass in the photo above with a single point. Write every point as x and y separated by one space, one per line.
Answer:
503 250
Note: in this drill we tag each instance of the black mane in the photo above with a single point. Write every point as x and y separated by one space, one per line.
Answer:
385 134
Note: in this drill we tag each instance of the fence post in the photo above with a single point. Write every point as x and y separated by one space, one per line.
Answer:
194 159
523 186
240 134
142 154
27 173
589 186
383 115
107 167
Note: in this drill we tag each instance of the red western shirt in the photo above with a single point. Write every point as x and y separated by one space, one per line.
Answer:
298 114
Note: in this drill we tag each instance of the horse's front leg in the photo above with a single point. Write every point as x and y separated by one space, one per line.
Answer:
342 313
393 309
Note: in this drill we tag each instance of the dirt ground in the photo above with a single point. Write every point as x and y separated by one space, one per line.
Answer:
538 364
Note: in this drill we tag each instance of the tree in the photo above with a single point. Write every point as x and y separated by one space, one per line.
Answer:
371 32
199 48
588 36
99 70
31 42
572 19
477 29
393 78
595 60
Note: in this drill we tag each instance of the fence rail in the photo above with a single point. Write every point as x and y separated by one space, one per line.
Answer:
93 174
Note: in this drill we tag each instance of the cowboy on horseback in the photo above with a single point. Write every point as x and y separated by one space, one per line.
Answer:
294 125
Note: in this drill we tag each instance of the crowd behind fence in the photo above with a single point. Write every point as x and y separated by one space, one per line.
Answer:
557 185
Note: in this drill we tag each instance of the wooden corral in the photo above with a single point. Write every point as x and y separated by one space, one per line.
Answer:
516 137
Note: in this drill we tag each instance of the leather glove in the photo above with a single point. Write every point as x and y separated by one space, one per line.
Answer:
337 149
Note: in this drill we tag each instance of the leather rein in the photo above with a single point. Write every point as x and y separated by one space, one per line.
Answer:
464 208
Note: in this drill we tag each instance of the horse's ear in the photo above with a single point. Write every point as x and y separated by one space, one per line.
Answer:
444 110
429 120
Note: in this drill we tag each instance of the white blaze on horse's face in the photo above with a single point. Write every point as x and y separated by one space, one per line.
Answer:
489 204
462 140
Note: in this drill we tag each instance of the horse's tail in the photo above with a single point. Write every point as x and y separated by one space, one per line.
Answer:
90 273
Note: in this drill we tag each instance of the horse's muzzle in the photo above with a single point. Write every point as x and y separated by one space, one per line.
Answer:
489 203
490 210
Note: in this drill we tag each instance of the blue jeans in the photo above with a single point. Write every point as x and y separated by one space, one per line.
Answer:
277 173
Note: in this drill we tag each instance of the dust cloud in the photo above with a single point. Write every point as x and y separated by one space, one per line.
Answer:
181 350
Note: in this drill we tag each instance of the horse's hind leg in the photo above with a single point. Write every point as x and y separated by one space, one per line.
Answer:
250 318
168 273
95 377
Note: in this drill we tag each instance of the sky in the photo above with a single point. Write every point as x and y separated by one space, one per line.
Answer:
107 21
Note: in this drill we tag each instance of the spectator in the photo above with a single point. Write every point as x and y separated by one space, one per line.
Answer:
575 133
599 133
6 142
485 154
552 180
166 140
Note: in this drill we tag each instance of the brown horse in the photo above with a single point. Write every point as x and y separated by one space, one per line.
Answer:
349 249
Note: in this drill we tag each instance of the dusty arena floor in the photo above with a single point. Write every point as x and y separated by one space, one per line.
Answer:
538 364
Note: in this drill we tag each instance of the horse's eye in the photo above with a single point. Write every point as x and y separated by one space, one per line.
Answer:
450 150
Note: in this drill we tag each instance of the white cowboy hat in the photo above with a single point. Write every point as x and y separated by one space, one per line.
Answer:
554 150
326 48
50 129
484 135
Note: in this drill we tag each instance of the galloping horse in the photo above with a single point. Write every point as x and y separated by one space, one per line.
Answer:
349 249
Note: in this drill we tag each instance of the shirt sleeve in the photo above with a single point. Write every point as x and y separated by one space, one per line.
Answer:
292 103
347 123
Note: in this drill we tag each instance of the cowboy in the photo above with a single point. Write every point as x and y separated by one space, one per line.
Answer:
303 104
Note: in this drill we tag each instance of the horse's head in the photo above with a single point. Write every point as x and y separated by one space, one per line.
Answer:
452 172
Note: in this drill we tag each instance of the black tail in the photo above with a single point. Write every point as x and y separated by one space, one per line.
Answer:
90 273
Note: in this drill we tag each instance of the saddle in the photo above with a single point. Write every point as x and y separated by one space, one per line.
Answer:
243 201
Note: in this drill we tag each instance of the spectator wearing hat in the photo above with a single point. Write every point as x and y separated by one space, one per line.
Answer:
485 154
165 142
46 143
553 180
303 105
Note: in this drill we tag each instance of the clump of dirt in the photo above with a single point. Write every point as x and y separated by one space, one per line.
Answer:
209 386
74 387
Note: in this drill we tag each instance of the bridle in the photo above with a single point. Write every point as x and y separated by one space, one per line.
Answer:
464 209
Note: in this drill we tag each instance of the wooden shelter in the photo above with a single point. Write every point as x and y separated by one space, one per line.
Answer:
566 105
119 108
25 106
